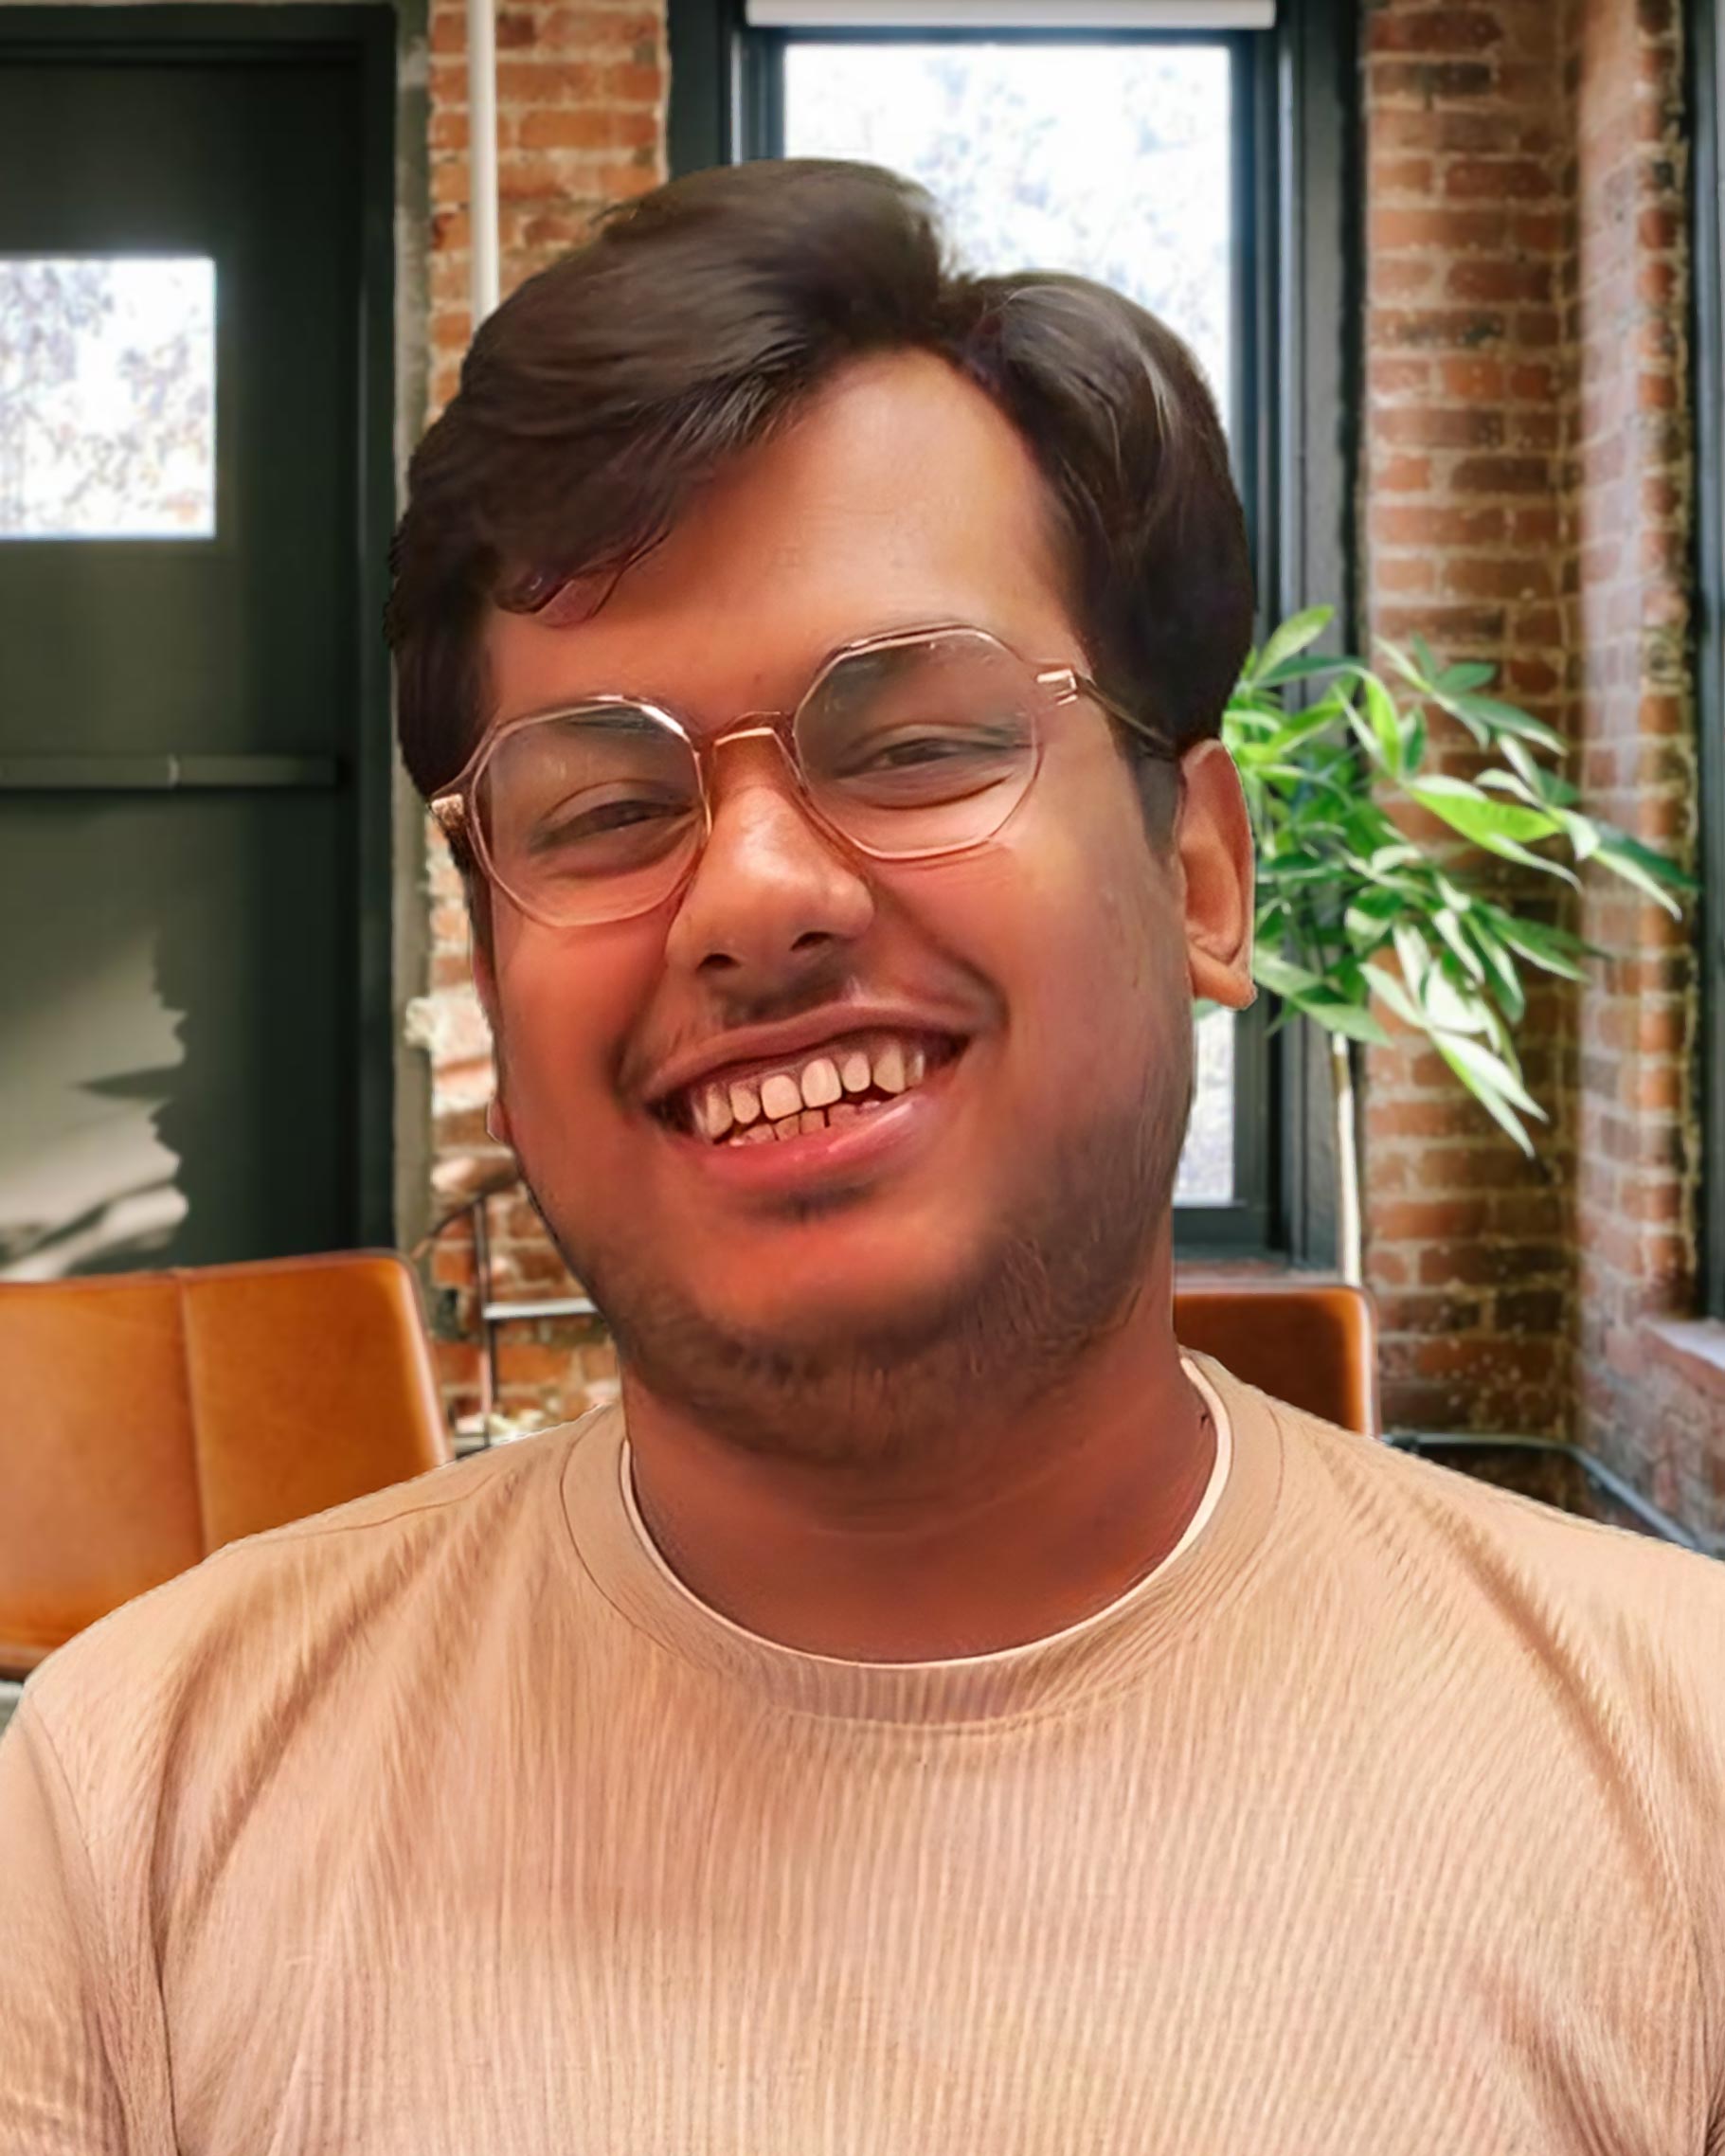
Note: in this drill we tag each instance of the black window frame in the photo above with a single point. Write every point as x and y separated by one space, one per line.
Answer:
1295 373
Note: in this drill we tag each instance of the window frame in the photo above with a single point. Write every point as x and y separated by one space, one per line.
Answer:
1295 293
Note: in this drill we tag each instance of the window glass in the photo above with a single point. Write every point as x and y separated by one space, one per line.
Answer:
107 397
1113 160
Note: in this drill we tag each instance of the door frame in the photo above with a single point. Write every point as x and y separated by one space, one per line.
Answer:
365 36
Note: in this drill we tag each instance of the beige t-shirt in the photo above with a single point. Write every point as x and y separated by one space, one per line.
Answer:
1384 1816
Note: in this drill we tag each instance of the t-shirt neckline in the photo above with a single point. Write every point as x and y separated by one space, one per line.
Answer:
1107 1649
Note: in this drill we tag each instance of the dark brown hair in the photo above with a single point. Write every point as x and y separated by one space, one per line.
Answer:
699 318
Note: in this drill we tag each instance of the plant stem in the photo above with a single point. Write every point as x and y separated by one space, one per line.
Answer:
1347 1163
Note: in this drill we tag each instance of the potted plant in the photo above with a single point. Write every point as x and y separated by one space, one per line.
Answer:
1351 911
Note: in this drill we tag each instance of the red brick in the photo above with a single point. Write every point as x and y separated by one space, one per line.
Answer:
1431 526
1497 179
1501 476
1497 277
1430 82
1437 228
1403 574
1434 328
1519 576
1401 474
1391 376
1427 427
1434 30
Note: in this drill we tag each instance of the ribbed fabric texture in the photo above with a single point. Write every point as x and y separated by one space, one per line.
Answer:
1385 1815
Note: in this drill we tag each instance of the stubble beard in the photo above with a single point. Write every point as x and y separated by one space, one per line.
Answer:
1065 1269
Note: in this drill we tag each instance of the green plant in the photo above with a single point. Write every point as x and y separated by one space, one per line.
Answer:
1352 910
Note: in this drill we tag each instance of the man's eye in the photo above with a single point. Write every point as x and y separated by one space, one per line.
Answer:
918 749
605 826
906 751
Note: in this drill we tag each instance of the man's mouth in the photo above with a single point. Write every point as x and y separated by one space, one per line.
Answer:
844 1079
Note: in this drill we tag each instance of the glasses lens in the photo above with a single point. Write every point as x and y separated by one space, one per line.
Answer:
590 814
920 747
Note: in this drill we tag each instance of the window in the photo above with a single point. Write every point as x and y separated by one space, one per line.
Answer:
107 397
1154 145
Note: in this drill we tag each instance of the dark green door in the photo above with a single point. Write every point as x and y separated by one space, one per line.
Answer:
193 822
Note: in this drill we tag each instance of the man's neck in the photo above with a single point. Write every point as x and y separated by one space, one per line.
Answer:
1052 1513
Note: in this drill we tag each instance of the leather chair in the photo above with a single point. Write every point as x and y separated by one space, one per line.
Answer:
148 1418
1311 1343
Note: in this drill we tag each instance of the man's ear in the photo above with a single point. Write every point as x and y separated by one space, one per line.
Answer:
1213 837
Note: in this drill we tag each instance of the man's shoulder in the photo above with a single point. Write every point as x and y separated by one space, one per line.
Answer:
295 1592
1636 1598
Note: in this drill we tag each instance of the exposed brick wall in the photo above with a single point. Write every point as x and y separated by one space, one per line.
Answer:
1627 320
581 124
1467 537
1527 500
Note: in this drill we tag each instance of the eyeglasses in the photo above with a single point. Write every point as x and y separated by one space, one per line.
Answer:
905 747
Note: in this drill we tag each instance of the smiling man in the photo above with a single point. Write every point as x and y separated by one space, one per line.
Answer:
932 1715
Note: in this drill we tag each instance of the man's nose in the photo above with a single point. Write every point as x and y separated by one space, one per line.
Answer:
773 894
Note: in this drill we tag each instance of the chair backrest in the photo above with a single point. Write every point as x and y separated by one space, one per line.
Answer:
148 1418
1311 1343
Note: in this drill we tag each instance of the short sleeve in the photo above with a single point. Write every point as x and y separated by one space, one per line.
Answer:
58 2096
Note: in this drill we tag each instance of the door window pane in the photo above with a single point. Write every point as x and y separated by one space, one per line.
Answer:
107 397
1113 160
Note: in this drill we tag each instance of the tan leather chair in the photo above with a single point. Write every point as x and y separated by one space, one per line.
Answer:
1312 1344
148 1418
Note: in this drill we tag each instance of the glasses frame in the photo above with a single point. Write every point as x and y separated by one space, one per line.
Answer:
455 812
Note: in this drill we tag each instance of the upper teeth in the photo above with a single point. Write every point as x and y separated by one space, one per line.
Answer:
891 1065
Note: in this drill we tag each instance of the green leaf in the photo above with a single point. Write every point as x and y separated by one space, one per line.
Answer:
1283 979
1497 718
1473 1062
1416 753
1293 636
1447 1009
1582 831
1315 719
1414 955
1300 670
1445 922
1475 816
1400 660
1500 968
1488 1097
1396 996
1468 674
1641 866
1422 651
1385 722
1354 1021
1550 949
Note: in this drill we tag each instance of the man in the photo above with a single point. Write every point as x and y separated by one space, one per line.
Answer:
933 1715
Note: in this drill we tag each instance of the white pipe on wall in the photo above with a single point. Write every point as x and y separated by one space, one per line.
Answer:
482 155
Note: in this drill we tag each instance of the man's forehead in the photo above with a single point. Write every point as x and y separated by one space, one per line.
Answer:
899 498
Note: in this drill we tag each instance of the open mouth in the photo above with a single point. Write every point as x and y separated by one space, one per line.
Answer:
854 1076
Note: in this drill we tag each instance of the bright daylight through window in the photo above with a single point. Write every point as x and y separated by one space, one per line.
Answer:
107 397
1110 159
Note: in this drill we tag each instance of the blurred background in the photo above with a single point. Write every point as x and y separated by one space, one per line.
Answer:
1453 273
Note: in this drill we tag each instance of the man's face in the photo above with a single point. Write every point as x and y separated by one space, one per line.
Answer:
1045 979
